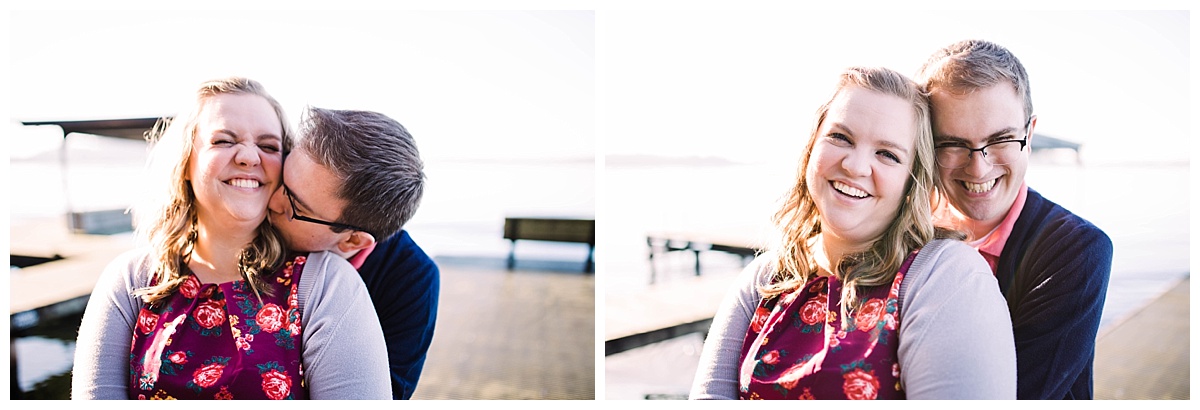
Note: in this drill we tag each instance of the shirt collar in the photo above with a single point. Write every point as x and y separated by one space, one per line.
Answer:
360 257
993 243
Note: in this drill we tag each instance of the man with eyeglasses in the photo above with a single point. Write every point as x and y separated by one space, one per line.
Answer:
1052 265
355 178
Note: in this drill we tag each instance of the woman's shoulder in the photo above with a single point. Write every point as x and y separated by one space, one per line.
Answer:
125 273
133 263
133 257
328 287
327 272
761 268
939 252
324 261
948 244
943 264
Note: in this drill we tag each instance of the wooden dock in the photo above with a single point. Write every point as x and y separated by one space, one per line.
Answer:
1146 355
61 286
1143 356
661 243
662 311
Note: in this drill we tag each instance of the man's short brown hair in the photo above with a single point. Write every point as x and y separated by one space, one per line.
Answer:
377 161
969 65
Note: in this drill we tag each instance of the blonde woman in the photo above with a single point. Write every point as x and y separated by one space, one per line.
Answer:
864 298
211 306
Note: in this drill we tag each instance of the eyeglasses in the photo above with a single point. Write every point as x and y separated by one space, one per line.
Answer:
337 227
997 153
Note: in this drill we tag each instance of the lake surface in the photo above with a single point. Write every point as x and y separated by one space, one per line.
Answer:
1144 208
461 218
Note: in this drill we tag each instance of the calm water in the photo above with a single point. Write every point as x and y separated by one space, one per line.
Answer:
461 216
1145 210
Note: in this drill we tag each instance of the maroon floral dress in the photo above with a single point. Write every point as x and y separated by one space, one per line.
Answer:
796 347
217 341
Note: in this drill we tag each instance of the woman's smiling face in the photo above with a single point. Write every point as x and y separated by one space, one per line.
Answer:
237 159
860 165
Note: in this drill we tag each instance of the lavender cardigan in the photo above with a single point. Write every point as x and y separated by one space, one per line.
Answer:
956 338
335 333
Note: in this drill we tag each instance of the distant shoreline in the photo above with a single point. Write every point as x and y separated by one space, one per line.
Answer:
650 160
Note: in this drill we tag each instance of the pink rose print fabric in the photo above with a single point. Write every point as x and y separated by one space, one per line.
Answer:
796 346
219 341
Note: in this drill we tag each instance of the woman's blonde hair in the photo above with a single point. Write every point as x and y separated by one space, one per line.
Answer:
166 218
799 219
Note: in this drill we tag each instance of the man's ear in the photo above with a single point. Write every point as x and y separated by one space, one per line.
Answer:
1032 125
356 241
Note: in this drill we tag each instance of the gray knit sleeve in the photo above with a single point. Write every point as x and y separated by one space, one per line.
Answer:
101 366
343 348
956 338
717 374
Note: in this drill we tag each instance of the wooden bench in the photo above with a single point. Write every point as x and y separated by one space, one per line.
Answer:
554 229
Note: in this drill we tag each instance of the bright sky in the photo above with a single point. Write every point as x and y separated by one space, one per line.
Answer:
686 78
507 84
745 84
738 84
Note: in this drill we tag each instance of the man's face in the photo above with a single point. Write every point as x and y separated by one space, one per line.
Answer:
313 190
979 190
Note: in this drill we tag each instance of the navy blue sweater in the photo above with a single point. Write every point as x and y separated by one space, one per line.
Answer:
1054 273
403 283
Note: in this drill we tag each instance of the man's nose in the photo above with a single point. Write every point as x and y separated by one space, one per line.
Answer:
978 164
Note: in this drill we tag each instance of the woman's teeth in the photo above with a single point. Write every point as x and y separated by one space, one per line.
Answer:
244 183
849 190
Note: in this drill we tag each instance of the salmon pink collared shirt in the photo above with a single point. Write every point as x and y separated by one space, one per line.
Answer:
357 260
992 245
